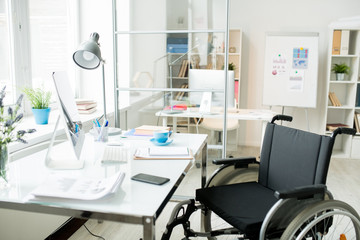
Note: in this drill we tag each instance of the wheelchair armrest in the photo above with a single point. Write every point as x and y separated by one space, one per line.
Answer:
238 162
302 192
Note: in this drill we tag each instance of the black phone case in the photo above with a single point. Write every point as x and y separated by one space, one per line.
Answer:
147 178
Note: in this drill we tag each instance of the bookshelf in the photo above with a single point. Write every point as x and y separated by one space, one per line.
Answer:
343 96
189 57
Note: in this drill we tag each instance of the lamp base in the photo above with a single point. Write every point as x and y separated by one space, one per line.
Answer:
114 131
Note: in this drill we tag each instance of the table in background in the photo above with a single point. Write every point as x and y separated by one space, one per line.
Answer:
240 114
134 202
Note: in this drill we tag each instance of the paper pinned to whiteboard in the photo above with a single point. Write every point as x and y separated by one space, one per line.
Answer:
279 64
296 80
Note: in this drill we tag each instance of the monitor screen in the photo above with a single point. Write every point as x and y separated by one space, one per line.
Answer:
68 114
214 80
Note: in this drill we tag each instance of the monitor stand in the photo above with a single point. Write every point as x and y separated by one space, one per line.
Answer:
63 156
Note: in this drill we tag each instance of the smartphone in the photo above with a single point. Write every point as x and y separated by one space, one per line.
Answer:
147 178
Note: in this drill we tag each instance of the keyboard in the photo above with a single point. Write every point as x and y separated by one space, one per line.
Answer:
113 154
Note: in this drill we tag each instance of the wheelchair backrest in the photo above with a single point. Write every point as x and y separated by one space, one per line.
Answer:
293 158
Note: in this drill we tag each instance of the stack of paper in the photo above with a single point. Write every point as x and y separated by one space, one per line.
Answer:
86 188
163 153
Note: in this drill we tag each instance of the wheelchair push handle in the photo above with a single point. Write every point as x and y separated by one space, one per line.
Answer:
282 118
343 130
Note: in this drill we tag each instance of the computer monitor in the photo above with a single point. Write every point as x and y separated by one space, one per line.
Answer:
211 79
66 155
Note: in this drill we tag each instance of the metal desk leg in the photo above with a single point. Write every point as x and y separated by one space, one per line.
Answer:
164 120
203 181
149 228
175 124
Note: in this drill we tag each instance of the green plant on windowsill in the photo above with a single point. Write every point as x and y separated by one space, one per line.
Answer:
38 98
40 101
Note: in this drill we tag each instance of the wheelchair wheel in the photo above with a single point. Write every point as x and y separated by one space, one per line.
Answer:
227 175
230 175
330 219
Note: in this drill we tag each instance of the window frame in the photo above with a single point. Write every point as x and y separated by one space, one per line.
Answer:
17 13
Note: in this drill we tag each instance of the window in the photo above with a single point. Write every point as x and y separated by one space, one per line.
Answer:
39 41
5 53
51 40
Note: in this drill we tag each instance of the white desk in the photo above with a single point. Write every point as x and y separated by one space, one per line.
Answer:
239 114
134 202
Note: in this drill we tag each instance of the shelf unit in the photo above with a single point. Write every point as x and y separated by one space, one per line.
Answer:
215 59
145 56
347 92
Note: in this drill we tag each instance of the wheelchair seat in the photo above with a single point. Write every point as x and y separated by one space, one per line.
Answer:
292 174
243 205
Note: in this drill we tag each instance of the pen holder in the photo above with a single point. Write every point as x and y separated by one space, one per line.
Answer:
101 134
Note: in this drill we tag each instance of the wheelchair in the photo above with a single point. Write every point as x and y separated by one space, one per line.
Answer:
283 196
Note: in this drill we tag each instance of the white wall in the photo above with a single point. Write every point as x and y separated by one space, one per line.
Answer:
257 17
96 16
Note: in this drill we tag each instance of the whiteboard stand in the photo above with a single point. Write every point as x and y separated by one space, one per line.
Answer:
306 116
291 69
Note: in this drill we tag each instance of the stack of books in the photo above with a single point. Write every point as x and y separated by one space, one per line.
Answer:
332 126
86 106
148 130
334 99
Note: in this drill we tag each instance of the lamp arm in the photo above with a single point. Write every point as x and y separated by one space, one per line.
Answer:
104 96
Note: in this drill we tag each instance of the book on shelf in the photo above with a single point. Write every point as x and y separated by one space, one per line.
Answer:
357 100
84 101
87 111
83 188
163 153
336 42
180 95
332 126
334 99
182 66
357 122
344 45
86 106
183 72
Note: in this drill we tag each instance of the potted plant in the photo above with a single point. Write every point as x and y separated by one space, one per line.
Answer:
40 101
8 122
340 70
232 67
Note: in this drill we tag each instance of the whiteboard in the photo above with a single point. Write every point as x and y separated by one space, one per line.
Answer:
291 69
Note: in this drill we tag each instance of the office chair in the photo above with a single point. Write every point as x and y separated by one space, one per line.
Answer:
289 200
217 125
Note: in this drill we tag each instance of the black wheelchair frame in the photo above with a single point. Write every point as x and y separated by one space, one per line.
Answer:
295 212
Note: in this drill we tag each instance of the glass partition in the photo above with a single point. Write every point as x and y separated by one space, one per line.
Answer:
170 60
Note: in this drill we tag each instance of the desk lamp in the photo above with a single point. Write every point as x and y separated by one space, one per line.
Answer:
88 56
